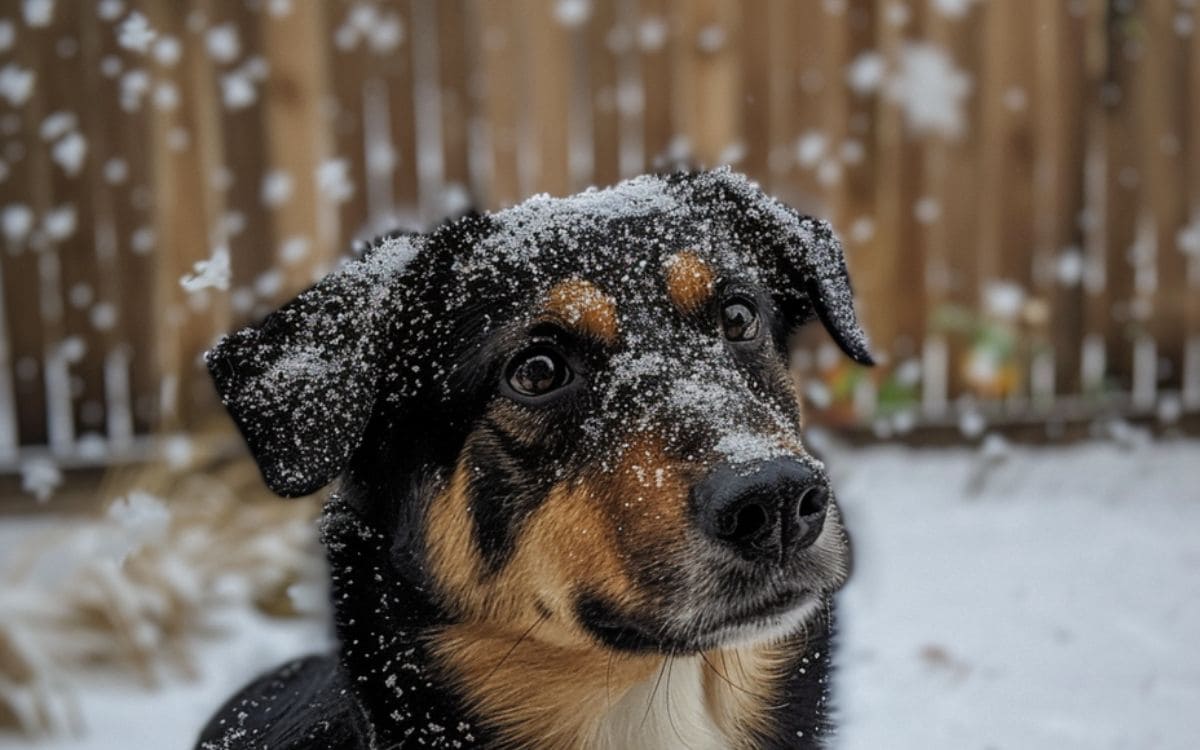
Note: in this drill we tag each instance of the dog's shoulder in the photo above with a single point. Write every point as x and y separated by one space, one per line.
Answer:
305 703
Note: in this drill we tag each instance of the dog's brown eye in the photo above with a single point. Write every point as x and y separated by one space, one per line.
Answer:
739 319
538 371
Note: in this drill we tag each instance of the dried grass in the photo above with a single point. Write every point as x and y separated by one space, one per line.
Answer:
134 589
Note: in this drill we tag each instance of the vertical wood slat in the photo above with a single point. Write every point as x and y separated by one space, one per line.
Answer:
1122 130
243 226
304 226
951 179
1191 388
344 202
548 134
657 38
1162 73
77 266
500 38
396 84
456 68
123 183
1059 180
25 197
706 73
1095 305
893 293
187 143
603 90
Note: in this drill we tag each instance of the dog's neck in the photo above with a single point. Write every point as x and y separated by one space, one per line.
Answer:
417 674
549 696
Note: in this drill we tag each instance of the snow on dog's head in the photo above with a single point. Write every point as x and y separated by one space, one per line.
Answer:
590 393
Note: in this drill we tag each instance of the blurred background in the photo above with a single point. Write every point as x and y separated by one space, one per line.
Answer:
1017 183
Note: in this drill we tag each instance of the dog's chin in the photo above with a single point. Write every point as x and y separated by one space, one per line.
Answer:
769 622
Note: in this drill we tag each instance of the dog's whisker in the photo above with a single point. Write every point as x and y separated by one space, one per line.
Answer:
670 718
729 682
540 619
653 693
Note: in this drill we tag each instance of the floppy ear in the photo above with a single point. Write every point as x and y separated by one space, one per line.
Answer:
817 265
804 250
301 385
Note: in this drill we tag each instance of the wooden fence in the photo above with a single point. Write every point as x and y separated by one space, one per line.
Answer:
1017 181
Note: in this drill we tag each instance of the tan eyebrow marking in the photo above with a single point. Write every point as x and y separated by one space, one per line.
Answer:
583 306
689 280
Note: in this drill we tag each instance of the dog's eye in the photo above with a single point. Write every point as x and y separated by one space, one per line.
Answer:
537 371
739 319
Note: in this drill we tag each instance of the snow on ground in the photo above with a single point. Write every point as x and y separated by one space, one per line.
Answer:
1039 598
1023 598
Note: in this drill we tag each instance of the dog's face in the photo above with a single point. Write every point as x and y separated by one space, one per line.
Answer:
596 392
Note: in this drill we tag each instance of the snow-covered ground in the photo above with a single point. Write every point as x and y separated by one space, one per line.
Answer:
1016 598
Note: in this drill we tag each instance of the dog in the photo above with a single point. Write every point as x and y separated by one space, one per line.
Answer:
573 509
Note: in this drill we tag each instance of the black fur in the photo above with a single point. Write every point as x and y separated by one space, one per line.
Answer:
386 373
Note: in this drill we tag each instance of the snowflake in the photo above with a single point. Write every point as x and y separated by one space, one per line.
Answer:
930 90
135 33
70 152
333 180
16 84
40 477
16 220
212 273
38 13
572 13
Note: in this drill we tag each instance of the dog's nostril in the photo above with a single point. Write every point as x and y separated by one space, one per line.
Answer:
813 502
743 524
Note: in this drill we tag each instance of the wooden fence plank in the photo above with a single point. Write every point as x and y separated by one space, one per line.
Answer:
396 85
952 183
187 143
25 196
1123 320
502 72
1059 182
604 94
1162 72
304 226
456 70
341 180
549 97
656 41
706 77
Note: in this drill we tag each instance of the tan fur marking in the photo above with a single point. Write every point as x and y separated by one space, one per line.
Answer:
581 305
740 686
689 280
540 678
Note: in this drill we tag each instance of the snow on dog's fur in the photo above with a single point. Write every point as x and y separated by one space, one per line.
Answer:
574 507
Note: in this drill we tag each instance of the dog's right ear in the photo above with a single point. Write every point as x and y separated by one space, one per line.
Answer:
301 385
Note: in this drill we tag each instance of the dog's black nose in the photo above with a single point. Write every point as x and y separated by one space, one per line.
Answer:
768 512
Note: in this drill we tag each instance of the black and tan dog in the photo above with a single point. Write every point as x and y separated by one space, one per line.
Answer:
574 509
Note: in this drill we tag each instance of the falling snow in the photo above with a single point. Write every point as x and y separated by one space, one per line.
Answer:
573 13
38 13
16 83
333 180
40 477
213 273
930 90
134 33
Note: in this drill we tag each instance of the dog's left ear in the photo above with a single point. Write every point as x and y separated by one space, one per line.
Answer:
301 385
814 262
813 280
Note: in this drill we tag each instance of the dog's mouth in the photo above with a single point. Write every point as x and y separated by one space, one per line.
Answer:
772 617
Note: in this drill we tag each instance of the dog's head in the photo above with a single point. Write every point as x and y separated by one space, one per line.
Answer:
591 393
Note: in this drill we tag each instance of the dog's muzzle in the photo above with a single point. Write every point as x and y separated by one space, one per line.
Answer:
767 513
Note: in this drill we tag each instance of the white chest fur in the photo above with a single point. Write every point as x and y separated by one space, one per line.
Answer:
667 712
